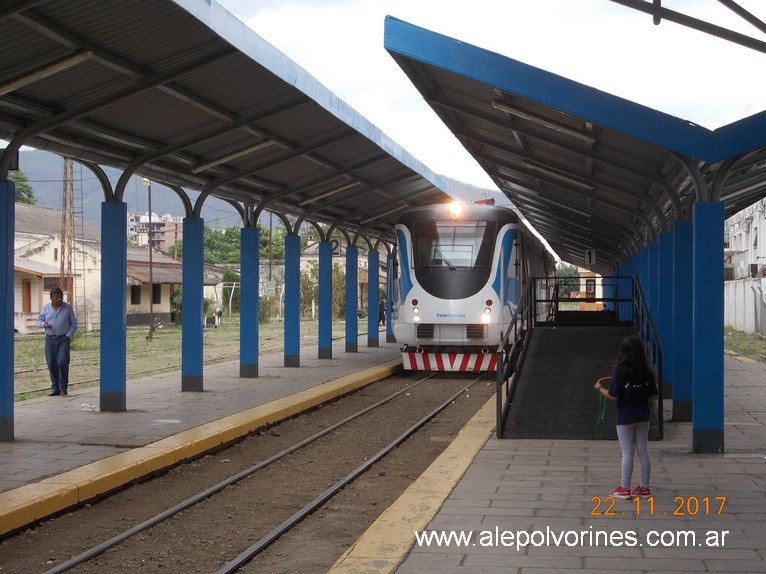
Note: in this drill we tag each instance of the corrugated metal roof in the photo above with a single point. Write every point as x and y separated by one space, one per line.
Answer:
37 220
34 267
185 94
589 170
164 269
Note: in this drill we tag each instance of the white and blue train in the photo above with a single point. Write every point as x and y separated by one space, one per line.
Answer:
458 274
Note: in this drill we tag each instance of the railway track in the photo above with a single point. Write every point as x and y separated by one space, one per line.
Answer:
242 512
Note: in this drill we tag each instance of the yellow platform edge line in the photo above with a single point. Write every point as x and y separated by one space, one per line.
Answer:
388 540
23 506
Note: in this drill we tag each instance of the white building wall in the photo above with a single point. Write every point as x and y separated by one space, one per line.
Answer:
86 266
747 239
744 297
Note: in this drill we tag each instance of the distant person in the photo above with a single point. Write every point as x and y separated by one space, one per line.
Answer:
633 386
217 317
60 324
382 312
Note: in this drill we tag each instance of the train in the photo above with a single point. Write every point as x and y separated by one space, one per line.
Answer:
459 271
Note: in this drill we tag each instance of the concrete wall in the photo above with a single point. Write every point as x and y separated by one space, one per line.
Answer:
745 305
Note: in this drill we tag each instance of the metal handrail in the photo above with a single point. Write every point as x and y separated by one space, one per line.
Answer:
506 351
647 331
512 347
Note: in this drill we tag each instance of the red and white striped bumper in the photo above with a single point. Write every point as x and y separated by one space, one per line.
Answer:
449 361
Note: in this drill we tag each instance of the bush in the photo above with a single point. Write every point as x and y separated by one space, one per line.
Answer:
266 309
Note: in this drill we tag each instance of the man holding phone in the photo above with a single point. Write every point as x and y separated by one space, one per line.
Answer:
60 324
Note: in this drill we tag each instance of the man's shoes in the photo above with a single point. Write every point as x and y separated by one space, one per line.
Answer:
64 392
54 394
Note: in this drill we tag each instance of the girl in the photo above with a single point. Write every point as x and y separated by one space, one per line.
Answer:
633 386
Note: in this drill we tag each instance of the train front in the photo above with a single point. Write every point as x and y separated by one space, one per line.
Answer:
456 285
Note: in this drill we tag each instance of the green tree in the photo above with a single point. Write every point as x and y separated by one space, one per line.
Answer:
309 287
24 191
338 290
568 279
175 305
278 235
176 250
221 246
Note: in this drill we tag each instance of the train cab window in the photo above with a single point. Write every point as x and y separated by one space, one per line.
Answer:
454 245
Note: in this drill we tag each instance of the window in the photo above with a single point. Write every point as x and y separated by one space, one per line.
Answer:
55 253
448 244
156 294
135 294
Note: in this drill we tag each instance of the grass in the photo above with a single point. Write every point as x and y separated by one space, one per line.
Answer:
743 343
143 357
163 353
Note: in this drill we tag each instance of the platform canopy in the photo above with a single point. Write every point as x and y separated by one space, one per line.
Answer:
183 93
595 174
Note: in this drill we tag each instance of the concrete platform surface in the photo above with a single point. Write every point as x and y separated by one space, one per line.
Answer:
542 506
63 455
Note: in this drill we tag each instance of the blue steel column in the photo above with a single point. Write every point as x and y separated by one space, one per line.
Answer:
7 226
682 336
352 290
114 271
707 368
249 249
664 319
373 298
389 297
325 301
292 301
191 304
652 280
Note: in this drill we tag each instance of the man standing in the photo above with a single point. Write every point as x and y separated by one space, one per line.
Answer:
60 324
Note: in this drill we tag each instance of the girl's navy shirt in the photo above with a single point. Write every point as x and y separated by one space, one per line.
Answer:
632 400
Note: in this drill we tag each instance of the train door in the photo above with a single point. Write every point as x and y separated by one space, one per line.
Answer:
392 280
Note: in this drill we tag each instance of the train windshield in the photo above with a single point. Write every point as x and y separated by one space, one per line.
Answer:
454 244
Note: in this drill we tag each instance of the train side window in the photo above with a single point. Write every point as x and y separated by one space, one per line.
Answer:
513 262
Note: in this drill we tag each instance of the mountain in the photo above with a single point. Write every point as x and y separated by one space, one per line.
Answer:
45 172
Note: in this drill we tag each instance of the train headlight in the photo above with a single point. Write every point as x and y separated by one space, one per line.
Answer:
455 209
486 316
415 311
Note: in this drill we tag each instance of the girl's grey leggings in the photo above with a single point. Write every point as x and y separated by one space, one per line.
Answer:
634 438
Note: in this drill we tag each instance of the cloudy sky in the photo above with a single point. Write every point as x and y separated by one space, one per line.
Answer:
668 67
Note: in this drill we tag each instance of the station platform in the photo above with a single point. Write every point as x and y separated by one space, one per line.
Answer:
540 506
63 455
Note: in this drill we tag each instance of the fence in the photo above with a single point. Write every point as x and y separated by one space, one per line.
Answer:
745 305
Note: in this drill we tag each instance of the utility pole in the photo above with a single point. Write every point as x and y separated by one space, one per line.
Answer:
147 182
67 230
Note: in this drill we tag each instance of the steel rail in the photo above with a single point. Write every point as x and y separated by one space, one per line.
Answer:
272 536
207 493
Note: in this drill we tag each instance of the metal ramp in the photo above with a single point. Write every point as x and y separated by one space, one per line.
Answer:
550 357
553 396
